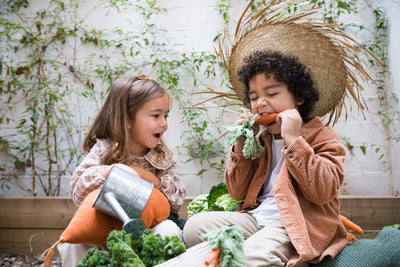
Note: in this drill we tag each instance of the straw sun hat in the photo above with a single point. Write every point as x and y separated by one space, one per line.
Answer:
329 55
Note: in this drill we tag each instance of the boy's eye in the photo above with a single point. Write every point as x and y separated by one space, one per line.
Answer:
166 116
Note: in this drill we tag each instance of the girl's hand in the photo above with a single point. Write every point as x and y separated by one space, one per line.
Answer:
291 123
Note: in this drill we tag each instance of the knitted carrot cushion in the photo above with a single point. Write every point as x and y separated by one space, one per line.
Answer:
383 251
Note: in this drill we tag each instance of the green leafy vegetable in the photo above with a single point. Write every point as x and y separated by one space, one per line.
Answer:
251 146
395 226
198 204
119 243
153 249
226 202
95 258
217 199
148 250
215 192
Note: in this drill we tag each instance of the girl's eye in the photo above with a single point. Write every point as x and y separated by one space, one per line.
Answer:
272 94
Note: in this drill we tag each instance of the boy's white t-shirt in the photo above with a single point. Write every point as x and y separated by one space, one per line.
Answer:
268 211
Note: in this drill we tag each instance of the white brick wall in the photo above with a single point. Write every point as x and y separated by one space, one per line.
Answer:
194 24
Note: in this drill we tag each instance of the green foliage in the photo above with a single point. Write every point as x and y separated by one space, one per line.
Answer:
395 226
215 192
148 250
153 249
226 202
197 205
251 146
123 255
95 258
218 199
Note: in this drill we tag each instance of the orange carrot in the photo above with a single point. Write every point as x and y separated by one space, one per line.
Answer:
350 225
213 257
266 119
351 237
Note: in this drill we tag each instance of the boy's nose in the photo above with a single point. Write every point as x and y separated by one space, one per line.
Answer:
262 101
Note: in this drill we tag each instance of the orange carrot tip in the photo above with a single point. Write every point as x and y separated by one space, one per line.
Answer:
213 257
351 237
348 224
266 119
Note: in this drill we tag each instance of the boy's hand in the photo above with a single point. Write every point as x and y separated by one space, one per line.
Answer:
240 120
291 123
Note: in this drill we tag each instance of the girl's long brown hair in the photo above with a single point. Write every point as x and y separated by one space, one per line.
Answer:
126 97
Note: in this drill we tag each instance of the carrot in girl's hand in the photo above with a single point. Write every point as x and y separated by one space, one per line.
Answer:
266 119
213 257
351 225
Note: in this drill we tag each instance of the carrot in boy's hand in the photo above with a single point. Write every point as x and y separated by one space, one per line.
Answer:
213 257
350 225
266 119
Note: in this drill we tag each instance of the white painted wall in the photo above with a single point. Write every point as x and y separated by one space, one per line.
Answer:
194 24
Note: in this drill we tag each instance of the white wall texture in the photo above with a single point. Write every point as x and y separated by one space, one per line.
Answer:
194 24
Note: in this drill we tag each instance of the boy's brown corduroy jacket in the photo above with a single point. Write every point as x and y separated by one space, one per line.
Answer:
306 189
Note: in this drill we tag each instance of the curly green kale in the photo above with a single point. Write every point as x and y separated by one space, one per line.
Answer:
95 258
173 247
153 249
148 250
119 243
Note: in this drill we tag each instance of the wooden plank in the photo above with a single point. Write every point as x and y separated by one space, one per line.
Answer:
183 210
40 212
39 222
27 241
371 212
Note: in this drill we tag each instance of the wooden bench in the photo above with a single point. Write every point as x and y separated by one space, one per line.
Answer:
31 225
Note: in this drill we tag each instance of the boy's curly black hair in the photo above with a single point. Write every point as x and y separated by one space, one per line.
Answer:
285 69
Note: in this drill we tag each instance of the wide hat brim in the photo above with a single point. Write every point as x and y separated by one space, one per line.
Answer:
314 50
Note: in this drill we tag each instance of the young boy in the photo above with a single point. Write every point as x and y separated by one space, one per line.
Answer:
287 64
290 192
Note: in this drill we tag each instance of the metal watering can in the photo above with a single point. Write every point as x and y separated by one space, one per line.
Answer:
124 196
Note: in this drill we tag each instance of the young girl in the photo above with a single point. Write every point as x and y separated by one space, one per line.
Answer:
128 131
290 193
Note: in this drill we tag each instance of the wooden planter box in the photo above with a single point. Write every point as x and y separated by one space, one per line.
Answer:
32 225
